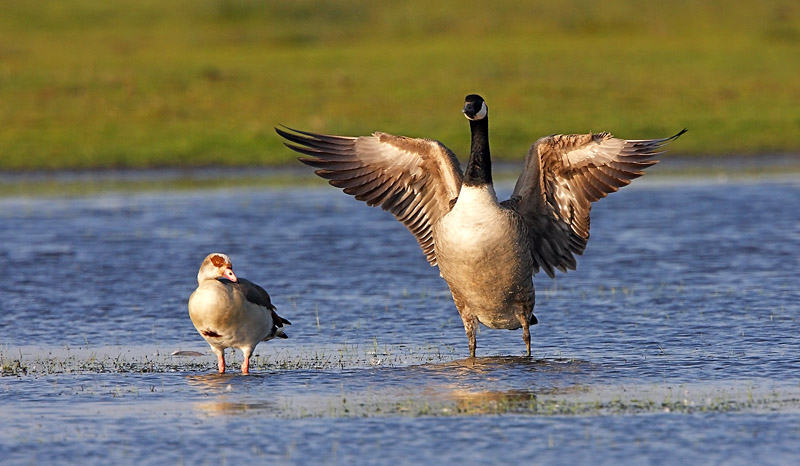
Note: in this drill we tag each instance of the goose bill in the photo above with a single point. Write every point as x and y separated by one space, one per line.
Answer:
230 275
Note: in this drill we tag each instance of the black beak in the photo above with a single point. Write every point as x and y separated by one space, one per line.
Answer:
469 109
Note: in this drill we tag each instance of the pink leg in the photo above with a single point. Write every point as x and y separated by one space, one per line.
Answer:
221 362
246 362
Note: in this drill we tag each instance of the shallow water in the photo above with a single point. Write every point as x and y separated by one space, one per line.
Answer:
675 340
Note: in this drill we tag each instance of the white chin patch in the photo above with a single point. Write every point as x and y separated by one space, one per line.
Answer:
482 113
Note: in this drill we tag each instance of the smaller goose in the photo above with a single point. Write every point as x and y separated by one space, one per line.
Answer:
231 312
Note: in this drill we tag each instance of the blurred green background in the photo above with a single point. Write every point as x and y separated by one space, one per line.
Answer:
144 83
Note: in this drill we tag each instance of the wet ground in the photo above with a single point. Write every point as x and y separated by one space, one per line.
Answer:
677 339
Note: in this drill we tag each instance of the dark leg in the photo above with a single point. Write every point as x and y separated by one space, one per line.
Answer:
526 331
528 319
526 337
469 325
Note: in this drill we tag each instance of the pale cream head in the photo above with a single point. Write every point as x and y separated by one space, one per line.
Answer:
214 266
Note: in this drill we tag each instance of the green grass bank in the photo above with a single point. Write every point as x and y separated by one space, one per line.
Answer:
96 84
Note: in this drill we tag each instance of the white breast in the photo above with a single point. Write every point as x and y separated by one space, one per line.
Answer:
475 218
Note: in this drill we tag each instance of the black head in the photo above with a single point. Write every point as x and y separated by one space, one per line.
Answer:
475 107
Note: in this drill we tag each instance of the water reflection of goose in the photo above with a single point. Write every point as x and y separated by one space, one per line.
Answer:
492 402
233 408
472 385
225 395
470 370
487 251
231 312
211 383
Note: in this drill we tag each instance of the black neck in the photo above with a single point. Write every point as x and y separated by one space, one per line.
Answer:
479 167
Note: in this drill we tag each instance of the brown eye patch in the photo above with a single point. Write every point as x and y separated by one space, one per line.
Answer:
218 261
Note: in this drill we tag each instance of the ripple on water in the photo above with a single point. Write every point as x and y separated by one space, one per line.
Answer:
684 303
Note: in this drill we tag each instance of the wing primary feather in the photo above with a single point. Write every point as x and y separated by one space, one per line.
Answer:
335 165
343 174
613 183
360 180
310 138
376 195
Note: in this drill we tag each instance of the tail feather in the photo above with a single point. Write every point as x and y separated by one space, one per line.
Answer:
277 327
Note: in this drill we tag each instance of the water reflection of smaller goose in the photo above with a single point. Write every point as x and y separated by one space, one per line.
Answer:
231 312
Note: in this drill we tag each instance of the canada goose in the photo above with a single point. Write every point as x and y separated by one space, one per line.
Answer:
487 251
231 312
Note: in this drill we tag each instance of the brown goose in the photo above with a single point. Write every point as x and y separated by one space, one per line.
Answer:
487 251
231 312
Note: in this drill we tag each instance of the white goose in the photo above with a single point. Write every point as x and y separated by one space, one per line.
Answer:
231 312
487 251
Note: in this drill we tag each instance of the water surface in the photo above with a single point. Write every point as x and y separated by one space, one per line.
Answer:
675 340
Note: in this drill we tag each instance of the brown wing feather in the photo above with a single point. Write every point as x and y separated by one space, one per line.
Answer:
417 180
562 176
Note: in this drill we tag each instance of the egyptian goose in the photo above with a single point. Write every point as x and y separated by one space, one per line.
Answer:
487 251
231 312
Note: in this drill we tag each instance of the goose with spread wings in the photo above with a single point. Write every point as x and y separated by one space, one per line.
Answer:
487 251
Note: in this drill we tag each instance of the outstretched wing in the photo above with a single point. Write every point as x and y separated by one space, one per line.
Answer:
562 176
417 180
